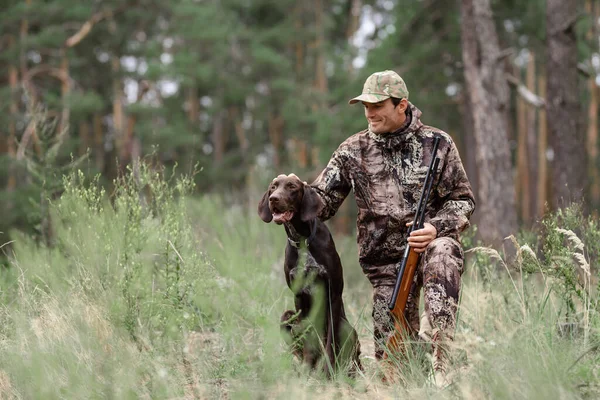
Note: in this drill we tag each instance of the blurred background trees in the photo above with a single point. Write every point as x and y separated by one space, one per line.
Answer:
246 90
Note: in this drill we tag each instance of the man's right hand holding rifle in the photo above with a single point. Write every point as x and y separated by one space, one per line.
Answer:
386 166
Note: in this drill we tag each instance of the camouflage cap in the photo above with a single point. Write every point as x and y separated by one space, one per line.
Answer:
380 86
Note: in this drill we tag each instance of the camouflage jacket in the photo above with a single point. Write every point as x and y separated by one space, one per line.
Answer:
386 173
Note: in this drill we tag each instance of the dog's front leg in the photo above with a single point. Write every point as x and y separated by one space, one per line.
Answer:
334 305
290 265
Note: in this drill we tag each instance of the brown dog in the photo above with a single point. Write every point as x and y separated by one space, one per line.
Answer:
319 324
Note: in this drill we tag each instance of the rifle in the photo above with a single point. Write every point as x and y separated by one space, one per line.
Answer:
410 260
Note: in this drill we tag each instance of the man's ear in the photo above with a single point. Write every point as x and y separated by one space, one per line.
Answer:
403 105
311 204
263 208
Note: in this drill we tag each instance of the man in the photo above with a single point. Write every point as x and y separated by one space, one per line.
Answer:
385 166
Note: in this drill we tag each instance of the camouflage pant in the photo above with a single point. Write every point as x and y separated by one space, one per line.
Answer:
438 274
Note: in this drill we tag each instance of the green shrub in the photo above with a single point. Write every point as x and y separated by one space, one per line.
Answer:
134 261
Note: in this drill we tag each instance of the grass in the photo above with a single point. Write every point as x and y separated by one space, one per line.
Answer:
165 296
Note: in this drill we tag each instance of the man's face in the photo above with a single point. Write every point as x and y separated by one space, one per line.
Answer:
383 117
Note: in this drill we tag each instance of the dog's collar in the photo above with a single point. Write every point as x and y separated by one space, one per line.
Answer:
295 239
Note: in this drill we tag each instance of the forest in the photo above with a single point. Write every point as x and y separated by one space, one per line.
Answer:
245 90
137 136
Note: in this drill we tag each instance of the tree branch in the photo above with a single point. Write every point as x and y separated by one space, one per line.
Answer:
41 69
585 69
505 53
526 94
567 24
86 28
29 132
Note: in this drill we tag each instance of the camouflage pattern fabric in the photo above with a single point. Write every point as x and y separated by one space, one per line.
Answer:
386 172
438 274
381 86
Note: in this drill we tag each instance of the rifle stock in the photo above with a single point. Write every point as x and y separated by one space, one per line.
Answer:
400 324
408 264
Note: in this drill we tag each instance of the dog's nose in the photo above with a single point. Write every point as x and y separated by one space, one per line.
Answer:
274 198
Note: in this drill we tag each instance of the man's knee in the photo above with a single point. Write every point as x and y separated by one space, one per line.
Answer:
445 245
442 269
445 252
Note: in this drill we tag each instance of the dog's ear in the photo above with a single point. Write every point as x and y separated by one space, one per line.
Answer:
263 208
311 204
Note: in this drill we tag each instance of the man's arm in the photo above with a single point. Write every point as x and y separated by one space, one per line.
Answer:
332 186
458 200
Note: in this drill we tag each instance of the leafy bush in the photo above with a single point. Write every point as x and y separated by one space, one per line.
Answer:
119 274
566 256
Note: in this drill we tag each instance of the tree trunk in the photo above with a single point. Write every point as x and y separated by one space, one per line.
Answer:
315 160
219 138
299 44
532 153
523 183
193 105
237 119
489 96
65 90
275 127
563 114
320 76
99 142
117 106
592 144
353 18
84 137
13 81
302 156
127 151
28 85
470 163
24 32
592 129
298 154
543 176
527 148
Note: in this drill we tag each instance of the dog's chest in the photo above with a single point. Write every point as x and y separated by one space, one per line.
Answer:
307 269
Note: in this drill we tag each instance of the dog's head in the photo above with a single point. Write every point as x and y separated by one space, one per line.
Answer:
288 197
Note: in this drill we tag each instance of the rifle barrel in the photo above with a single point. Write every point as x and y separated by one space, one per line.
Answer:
418 220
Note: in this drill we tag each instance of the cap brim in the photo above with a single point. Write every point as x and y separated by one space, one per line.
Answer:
369 98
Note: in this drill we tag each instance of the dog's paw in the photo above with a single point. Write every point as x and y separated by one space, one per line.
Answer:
289 322
288 318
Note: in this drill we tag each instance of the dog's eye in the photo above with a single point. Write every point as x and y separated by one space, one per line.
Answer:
290 186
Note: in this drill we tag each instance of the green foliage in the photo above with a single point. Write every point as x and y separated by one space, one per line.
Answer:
567 257
121 276
544 314
149 293
85 103
563 250
44 168
151 242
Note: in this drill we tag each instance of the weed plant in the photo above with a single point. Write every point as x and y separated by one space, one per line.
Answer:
150 293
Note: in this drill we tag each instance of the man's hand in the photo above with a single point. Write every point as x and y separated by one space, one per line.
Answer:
420 238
